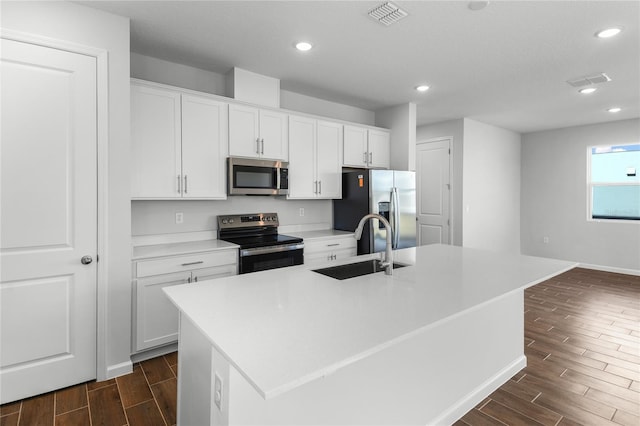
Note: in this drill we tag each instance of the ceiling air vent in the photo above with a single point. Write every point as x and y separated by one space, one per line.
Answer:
387 13
586 81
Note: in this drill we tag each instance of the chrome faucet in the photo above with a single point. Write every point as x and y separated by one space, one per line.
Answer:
387 262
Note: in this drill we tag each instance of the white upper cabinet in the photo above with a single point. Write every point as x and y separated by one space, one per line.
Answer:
329 159
155 142
366 148
379 149
355 146
314 158
302 158
179 144
257 133
204 147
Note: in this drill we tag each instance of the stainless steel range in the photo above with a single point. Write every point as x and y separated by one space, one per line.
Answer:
261 247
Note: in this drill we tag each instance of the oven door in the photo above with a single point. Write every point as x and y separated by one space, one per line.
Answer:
263 258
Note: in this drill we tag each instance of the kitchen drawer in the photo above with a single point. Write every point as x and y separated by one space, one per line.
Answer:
320 257
333 244
145 268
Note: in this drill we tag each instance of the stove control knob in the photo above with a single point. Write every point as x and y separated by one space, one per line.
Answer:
230 220
268 218
224 221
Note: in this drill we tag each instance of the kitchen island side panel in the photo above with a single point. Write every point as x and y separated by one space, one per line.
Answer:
433 376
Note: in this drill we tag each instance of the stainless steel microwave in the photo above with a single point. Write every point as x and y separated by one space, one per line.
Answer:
257 177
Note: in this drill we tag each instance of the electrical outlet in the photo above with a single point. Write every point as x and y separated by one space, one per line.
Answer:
179 218
301 211
217 392
545 240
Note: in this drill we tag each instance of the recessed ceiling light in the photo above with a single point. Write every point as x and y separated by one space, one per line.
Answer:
609 32
303 46
587 90
422 88
615 109
477 5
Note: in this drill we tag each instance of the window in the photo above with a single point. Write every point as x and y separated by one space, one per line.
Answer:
614 182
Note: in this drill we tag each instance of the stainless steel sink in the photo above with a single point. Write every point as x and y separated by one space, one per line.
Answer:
351 270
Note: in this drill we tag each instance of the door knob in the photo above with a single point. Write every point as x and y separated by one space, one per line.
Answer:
86 259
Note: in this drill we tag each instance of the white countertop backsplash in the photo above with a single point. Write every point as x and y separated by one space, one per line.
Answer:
150 246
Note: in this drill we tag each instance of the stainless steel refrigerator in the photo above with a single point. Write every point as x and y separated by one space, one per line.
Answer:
389 193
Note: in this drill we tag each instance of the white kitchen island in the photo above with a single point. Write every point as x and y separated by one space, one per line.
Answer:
291 346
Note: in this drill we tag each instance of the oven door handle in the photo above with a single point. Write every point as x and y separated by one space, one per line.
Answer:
271 249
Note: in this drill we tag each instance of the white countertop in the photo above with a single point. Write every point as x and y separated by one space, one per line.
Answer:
173 249
282 328
322 234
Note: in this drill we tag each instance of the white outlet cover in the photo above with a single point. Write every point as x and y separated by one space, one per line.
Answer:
217 392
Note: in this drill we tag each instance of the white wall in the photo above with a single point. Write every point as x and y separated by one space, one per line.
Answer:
161 71
89 27
453 129
402 120
554 198
158 217
310 105
491 187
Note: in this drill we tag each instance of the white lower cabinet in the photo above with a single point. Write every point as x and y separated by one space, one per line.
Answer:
155 317
324 250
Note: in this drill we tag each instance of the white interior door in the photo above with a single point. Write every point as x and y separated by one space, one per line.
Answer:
48 219
434 187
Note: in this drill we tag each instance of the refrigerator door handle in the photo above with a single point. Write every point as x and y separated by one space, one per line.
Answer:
395 204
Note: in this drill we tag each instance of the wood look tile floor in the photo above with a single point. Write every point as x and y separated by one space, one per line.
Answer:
147 396
582 341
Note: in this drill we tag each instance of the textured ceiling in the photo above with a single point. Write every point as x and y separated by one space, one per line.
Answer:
505 65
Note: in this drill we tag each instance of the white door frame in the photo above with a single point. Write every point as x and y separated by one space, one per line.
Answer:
449 140
102 121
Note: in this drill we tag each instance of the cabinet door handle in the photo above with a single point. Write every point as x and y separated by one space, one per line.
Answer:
319 187
185 184
333 245
195 279
315 186
364 157
179 184
262 150
193 263
257 145
370 157
189 280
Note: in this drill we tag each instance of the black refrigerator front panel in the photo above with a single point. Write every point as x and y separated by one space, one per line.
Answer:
354 204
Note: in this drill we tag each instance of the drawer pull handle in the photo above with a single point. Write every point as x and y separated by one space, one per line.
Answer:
193 263
332 245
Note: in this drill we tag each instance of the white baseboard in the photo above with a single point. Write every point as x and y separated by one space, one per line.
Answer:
119 369
610 269
155 352
474 397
